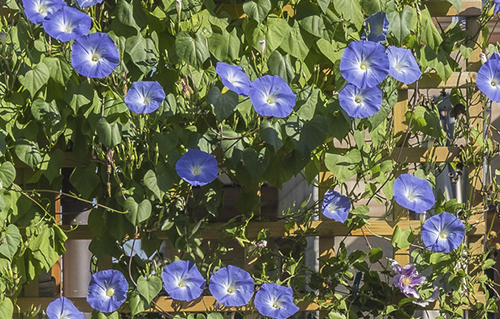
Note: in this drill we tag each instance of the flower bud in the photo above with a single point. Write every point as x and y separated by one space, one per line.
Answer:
178 6
491 12
262 46
493 234
483 58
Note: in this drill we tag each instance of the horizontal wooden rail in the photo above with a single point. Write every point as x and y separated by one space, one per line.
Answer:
440 8
277 229
439 154
456 80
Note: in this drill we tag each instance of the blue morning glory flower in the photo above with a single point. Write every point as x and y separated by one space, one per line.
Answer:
63 308
107 290
378 24
231 286
37 10
144 97
402 65
413 193
271 96
488 78
182 280
364 63
87 3
67 24
360 102
234 78
336 206
275 301
94 55
443 233
197 167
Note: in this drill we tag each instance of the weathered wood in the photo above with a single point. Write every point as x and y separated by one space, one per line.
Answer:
471 8
456 80
439 154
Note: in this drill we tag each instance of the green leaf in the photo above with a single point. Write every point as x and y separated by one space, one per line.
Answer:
323 4
218 45
427 122
136 303
7 174
350 10
257 9
332 52
34 78
130 13
402 238
307 100
78 96
6 308
28 152
274 32
466 51
313 24
192 50
149 288
110 135
85 180
306 135
400 23
143 52
437 61
3 143
96 314
297 44
59 70
375 254
457 4
10 241
271 133
45 113
343 166
151 183
214 315
371 6
52 164
279 65
223 104
430 34
256 162
43 246
137 213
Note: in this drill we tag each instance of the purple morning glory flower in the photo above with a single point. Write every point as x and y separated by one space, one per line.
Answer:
231 286
37 10
488 78
144 96
413 193
67 24
360 102
496 3
443 233
63 308
182 280
94 55
275 301
107 290
407 279
378 24
197 167
336 206
402 65
364 64
233 78
271 96
87 3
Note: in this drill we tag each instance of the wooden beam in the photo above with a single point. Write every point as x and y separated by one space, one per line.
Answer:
456 80
469 8
440 154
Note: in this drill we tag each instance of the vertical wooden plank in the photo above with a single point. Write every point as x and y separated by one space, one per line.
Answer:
399 116
55 271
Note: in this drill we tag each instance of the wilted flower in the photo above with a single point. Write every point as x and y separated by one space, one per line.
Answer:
364 63
231 286
37 10
402 65
275 301
87 3
336 206
413 193
182 280
144 97
94 55
271 96
197 167
378 24
360 103
488 78
67 24
407 279
63 308
107 290
443 233
233 78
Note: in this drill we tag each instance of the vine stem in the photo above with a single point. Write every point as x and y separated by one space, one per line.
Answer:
131 256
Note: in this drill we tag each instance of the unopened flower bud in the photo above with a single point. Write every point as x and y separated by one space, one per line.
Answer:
483 58
491 12
493 234
178 6
497 246
262 46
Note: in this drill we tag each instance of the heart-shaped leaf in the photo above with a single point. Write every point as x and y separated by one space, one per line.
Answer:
137 213
7 174
149 288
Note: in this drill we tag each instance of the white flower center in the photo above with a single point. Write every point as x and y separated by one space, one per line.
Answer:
494 83
276 305
110 292
68 28
331 207
95 57
230 289
181 283
363 66
443 235
411 195
406 281
146 100
358 99
196 170
42 9
270 99
398 67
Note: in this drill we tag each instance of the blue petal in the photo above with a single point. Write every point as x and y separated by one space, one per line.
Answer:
360 103
336 206
144 97
234 78
488 78
271 96
63 308
94 55
99 285
32 9
197 167
274 294
88 3
402 65
378 25
364 64
413 193
67 24
238 280
182 280
444 223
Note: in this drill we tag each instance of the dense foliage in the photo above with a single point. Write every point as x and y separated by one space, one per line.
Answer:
150 101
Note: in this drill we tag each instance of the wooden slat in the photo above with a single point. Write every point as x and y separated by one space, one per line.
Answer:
444 8
456 80
438 154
